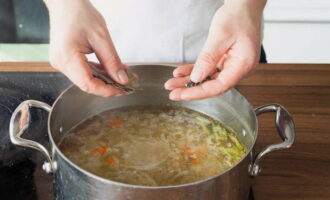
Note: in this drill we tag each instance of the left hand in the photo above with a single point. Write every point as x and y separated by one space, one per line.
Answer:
233 45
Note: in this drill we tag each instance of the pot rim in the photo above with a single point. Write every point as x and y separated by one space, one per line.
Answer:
108 181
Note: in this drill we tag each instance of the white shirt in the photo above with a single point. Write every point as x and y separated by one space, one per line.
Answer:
158 30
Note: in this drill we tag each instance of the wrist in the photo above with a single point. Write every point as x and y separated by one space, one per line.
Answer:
255 5
52 3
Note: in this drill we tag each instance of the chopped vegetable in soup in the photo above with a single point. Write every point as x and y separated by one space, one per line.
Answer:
155 145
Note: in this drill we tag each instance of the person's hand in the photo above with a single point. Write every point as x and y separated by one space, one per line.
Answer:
77 28
233 46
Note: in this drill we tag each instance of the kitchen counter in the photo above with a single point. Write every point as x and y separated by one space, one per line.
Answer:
302 172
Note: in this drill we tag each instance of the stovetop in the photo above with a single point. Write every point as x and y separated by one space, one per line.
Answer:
21 174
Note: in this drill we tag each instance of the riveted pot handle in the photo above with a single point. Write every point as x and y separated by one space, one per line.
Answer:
19 122
285 127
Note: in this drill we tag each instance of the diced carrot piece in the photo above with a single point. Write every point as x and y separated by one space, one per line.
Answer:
195 157
215 173
100 151
186 151
110 161
195 161
199 154
117 123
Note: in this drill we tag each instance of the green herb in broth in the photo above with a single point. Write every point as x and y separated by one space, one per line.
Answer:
155 145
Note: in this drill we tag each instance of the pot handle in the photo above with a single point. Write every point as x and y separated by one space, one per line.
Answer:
285 127
19 122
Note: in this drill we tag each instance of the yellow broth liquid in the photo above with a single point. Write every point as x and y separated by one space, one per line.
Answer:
156 145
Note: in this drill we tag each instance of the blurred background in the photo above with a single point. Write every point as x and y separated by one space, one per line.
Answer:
295 31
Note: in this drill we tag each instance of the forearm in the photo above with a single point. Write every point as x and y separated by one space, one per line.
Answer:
48 3
52 3
256 5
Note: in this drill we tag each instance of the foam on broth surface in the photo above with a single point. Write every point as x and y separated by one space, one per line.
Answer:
156 145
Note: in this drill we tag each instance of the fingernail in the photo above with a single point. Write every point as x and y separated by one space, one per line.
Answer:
174 97
128 93
122 76
167 86
197 74
186 97
120 94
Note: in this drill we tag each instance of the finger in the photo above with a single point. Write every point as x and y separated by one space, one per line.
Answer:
210 56
97 67
222 61
234 69
181 74
183 70
175 95
100 69
78 71
174 83
208 89
107 55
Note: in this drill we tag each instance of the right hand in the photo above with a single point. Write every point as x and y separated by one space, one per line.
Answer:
77 29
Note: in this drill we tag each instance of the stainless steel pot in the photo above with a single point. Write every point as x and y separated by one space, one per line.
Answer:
73 106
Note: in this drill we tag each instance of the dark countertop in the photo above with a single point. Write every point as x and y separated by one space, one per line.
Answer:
301 172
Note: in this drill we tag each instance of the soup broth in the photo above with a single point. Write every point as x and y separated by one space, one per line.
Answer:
155 145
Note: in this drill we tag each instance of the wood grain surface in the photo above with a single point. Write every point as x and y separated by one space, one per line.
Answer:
302 172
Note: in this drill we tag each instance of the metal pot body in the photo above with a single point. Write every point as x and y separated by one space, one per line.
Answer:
231 108
72 183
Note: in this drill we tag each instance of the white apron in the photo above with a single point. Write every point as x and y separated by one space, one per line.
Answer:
158 30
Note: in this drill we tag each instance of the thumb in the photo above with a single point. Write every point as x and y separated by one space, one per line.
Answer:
108 57
208 59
